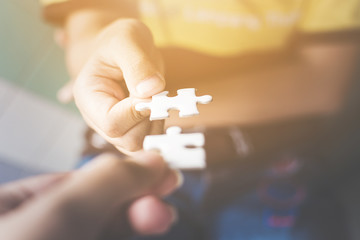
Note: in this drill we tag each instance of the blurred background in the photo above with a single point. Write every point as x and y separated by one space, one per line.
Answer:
37 133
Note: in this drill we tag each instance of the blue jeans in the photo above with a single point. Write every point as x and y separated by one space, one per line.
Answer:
269 203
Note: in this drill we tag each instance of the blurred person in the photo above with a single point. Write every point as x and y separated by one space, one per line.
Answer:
103 200
278 71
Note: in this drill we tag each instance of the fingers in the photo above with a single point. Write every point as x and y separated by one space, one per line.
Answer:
134 138
14 194
107 114
116 181
132 50
103 105
173 179
149 215
143 79
126 63
80 207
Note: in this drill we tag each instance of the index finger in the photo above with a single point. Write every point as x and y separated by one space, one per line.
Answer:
102 100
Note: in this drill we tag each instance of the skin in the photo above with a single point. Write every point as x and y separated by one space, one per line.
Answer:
99 201
115 65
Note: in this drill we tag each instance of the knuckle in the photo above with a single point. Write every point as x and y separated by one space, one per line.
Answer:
111 130
130 24
136 25
134 148
132 145
137 143
133 27
137 116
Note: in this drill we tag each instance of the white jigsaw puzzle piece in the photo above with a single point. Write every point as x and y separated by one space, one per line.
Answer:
159 106
173 148
186 102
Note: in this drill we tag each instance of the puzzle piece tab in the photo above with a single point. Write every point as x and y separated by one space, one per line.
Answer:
182 151
185 102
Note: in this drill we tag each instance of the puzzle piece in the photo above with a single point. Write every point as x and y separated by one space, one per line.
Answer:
185 102
179 150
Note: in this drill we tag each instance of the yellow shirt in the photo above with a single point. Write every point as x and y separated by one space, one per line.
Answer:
232 27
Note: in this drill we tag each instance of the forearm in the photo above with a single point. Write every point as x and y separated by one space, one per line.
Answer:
312 82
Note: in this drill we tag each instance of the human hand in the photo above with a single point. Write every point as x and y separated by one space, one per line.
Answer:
124 59
103 200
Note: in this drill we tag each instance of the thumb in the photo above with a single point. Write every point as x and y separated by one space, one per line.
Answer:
142 79
108 182
139 60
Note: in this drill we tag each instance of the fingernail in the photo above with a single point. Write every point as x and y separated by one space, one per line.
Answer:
179 178
150 86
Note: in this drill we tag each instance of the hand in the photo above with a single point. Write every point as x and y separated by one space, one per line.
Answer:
103 200
125 59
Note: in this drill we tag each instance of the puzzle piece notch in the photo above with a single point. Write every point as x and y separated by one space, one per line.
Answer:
173 130
159 105
186 102
189 100
173 147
